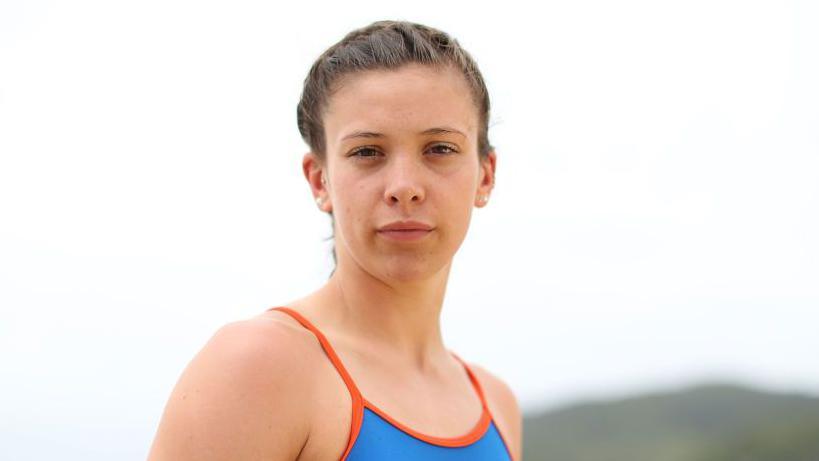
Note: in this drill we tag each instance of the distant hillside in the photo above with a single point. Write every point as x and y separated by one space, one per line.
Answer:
705 423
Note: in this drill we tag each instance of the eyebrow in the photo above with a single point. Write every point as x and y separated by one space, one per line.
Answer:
434 130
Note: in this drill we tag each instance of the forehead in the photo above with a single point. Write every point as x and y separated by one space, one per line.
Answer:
413 98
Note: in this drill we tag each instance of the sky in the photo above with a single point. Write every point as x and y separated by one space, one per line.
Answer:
654 222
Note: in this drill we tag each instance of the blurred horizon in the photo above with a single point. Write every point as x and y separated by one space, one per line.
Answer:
708 422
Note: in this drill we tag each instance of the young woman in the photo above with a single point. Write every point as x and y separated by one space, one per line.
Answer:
396 117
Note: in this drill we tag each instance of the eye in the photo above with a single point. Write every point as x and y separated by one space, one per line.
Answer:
447 149
364 152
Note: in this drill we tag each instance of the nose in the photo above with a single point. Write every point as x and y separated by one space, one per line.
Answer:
404 182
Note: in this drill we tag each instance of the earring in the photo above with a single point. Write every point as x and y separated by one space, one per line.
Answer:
483 198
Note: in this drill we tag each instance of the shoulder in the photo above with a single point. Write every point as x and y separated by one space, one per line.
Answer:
242 396
505 408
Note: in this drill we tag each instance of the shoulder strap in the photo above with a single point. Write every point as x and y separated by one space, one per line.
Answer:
325 344
475 383
348 380
355 394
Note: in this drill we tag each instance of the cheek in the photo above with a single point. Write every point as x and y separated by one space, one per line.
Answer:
355 205
465 196
462 186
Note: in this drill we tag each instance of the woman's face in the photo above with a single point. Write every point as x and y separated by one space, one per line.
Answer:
401 145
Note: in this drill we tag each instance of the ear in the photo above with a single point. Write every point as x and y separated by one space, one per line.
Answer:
487 178
315 172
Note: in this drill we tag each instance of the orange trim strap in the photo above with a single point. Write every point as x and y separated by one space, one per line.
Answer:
374 435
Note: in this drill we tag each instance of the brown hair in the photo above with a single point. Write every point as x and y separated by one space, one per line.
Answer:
385 45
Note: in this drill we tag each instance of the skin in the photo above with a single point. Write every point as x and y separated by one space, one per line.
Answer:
381 308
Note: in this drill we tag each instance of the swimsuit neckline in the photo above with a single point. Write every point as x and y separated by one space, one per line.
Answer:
360 403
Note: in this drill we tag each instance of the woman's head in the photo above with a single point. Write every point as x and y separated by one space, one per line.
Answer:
385 45
396 118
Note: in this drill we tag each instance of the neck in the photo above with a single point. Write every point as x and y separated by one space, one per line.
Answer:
401 320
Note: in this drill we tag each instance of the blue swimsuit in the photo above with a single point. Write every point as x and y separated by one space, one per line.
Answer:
374 435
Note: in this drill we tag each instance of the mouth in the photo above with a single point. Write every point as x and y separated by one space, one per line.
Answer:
405 235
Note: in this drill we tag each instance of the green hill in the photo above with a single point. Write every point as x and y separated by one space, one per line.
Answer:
706 423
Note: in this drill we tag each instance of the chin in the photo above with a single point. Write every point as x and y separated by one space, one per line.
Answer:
399 269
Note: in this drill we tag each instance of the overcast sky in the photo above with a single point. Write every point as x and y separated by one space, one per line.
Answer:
654 222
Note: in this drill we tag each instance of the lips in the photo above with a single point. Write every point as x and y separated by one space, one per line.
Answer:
405 226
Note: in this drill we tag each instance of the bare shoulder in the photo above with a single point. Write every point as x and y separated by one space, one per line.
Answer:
242 396
504 406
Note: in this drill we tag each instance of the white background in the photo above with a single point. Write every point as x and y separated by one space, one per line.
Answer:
654 223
